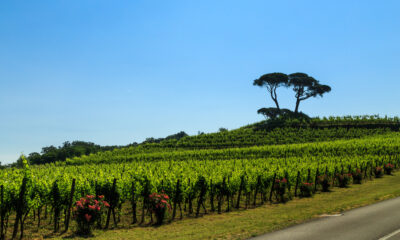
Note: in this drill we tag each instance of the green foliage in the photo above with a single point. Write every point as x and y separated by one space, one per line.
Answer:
306 87
271 132
67 150
288 128
302 84
272 81
281 115
198 167
176 136
208 166
220 164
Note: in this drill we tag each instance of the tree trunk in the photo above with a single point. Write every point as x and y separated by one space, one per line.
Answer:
275 98
296 110
277 104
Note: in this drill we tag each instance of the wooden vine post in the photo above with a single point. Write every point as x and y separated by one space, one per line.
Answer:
212 189
71 197
334 177
176 198
256 191
201 196
240 191
287 181
316 179
20 203
272 187
370 171
364 167
56 206
190 198
221 196
133 203
228 196
111 203
297 183
2 237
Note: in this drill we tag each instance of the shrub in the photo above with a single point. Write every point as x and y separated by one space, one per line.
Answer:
324 182
306 189
378 172
280 188
343 179
388 168
357 176
87 211
159 205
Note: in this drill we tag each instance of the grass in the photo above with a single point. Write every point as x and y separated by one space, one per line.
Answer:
252 222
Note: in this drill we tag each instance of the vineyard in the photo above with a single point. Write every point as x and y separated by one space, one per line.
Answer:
216 172
288 132
282 132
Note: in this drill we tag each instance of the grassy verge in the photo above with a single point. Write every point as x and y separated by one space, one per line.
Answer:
252 222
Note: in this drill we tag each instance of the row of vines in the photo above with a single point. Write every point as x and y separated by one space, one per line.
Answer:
286 132
376 145
192 182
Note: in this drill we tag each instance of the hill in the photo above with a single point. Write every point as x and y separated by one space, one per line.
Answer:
270 161
272 132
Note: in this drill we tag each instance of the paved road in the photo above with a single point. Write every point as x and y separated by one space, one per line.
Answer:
377 221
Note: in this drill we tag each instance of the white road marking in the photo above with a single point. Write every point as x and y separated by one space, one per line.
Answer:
390 235
332 215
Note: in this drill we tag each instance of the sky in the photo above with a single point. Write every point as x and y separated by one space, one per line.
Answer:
117 72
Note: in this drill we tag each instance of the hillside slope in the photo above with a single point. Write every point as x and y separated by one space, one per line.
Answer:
259 134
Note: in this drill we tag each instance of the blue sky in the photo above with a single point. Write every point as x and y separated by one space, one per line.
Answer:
115 72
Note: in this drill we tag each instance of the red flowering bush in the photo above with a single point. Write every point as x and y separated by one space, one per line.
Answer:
388 168
280 188
306 189
159 203
357 176
87 211
378 172
324 182
343 179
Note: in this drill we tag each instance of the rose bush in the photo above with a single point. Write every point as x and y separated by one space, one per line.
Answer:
388 168
159 203
357 176
87 211
378 172
306 189
324 181
343 179
280 188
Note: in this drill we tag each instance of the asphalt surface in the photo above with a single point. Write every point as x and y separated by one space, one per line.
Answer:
378 221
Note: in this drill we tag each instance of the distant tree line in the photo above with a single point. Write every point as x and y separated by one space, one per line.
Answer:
176 136
53 154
